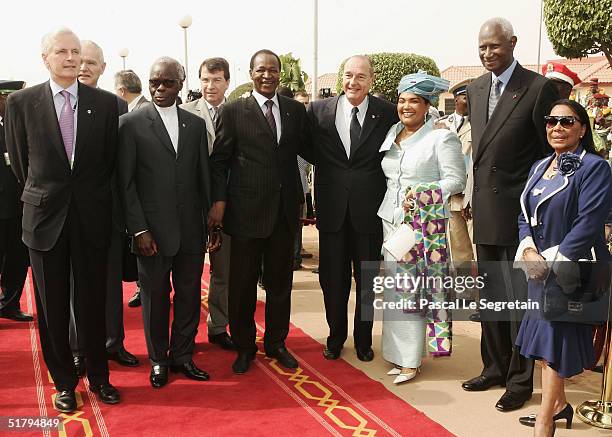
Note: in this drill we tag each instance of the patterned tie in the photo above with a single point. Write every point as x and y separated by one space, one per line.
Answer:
270 117
494 95
66 124
355 129
215 115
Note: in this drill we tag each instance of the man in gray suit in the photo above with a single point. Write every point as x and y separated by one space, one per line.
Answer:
215 80
164 185
129 87
507 106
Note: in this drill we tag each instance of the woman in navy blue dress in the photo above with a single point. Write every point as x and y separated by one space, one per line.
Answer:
564 207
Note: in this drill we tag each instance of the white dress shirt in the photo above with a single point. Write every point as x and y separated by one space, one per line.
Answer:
343 120
169 116
58 101
504 78
261 101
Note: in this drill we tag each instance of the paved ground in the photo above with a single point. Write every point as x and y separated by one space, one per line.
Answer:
437 390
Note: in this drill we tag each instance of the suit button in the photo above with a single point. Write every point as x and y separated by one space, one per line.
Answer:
476 188
541 237
475 167
493 169
495 190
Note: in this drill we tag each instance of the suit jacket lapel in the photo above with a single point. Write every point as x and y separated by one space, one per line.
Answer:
285 117
478 118
369 123
160 130
253 107
86 112
328 122
512 94
205 114
49 119
183 132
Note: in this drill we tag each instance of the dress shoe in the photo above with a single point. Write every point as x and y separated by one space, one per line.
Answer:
243 362
16 315
511 401
123 358
297 266
365 354
134 301
331 354
406 375
482 383
315 271
158 376
306 255
79 365
395 371
284 357
567 413
598 368
223 340
106 393
191 371
474 317
65 401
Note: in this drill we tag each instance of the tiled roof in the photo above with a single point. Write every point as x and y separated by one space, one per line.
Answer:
327 80
586 68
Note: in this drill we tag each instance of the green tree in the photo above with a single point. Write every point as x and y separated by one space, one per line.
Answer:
389 68
291 75
240 90
578 28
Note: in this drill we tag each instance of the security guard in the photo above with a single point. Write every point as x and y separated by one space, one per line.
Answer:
14 259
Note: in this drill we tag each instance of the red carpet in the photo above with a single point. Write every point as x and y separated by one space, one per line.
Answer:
319 398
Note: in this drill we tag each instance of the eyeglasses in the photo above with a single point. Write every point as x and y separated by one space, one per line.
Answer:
566 121
167 83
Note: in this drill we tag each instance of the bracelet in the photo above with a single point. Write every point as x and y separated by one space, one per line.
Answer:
528 249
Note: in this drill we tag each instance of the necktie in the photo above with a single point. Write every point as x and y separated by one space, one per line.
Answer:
66 124
270 117
215 115
494 95
460 125
355 129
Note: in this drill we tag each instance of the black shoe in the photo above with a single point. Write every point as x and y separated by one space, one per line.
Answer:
65 401
284 357
482 383
223 340
261 285
134 301
106 393
331 354
123 358
315 271
511 401
306 255
16 315
79 365
365 354
475 317
297 266
567 413
598 368
158 376
243 362
191 371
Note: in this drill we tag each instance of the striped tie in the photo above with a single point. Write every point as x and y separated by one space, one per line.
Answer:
494 95
66 124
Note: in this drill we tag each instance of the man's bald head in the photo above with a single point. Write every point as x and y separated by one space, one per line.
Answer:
92 65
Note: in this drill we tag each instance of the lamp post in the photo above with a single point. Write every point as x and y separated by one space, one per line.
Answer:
124 52
540 33
185 22
313 82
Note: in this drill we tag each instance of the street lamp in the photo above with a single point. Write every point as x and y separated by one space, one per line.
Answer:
185 22
124 52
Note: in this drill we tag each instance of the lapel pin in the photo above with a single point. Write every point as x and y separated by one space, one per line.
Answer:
183 124
514 96
373 116
89 111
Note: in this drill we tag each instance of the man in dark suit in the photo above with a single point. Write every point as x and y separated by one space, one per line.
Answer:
164 184
347 132
14 260
92 67
62 142
507 107
254 170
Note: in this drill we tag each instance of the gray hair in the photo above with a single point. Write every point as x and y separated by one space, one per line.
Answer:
501 23
96 47
363 58
47 41
129 80
179 70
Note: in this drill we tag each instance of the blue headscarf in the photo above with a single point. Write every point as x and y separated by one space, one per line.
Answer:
425 85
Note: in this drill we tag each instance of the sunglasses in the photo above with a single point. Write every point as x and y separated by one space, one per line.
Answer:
566 121
167 83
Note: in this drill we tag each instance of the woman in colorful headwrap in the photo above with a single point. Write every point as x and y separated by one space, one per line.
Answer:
423 165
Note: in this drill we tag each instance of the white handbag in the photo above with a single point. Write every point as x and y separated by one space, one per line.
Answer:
400 242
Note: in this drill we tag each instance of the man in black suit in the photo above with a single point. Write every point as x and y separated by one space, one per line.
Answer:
507 107
254 170
14 260
92 67
164 184
61 138
347 132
